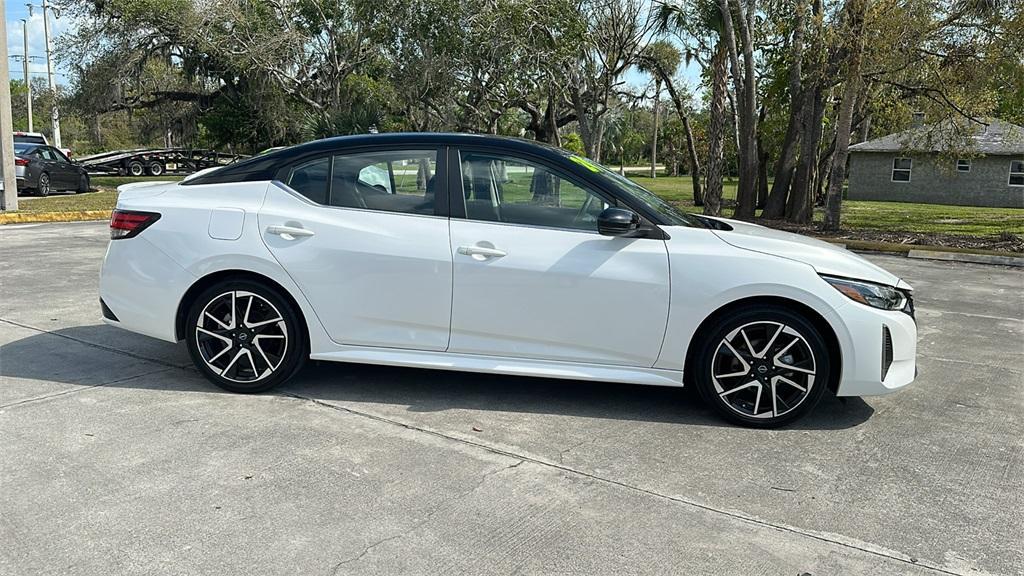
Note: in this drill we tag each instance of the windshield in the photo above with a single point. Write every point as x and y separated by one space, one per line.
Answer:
672 215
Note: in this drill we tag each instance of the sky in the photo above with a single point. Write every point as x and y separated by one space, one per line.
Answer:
14 12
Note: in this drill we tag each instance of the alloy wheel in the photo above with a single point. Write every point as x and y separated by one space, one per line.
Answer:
241 336
44 184
763 369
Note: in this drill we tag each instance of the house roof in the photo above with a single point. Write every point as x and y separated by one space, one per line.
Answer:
991 137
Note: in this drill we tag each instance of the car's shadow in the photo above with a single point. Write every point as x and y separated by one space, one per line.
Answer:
417 390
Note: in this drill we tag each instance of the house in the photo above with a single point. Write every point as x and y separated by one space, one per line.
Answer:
978 164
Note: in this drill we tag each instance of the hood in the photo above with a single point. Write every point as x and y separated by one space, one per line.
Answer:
825 258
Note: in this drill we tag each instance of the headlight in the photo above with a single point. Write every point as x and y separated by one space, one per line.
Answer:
874 295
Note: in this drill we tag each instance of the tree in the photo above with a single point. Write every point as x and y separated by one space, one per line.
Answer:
660 59
744 76
855 11
617 33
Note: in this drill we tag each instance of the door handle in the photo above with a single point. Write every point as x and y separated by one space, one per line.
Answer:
481 251
289 232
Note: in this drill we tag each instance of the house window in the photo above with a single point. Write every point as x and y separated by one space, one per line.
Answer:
901 169
963 165
1016 172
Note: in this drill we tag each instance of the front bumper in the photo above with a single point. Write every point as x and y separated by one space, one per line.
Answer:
879 350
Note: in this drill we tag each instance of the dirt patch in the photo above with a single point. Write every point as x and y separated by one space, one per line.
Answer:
1005 242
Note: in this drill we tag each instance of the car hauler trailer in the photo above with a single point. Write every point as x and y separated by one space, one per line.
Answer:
155 161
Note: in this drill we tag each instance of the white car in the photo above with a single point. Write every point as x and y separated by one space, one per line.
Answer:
495 255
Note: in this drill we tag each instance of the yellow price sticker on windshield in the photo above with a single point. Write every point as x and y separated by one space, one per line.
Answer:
589 165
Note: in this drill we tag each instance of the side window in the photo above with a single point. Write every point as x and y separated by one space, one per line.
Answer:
311 179
392 181
59 156
1016 173
516 191
46 154
901 169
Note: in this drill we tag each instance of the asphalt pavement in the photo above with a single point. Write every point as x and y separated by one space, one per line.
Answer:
116 457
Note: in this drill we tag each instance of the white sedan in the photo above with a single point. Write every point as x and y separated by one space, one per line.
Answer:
487 254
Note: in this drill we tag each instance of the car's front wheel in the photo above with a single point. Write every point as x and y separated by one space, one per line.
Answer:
762 366
245 337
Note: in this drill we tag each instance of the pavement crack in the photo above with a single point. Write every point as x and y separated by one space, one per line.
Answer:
40 398
829 538
561 454
426 519
95 345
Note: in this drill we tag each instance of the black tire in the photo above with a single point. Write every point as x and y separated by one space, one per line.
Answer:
282 360
155 168
740 388
135 168
83 184
44 186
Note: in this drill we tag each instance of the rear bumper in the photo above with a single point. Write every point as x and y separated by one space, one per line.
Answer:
141 286
871 366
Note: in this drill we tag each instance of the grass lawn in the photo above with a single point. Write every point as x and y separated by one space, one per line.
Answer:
884 216
103 199
857 215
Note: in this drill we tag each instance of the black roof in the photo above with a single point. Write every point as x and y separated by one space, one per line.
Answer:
265 166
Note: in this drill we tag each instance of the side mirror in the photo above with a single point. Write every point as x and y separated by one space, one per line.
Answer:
618 222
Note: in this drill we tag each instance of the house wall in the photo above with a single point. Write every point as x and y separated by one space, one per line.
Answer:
934 181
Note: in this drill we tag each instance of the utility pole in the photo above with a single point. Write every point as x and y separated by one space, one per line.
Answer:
9 199
55 116
28 79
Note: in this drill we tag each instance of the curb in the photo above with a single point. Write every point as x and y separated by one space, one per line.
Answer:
35 217
967 257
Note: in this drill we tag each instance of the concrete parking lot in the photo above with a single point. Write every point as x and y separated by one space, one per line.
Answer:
116 457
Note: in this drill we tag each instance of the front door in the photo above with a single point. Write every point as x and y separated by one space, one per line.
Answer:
534 279
360 235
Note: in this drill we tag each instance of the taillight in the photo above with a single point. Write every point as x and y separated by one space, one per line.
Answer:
129 223
20 162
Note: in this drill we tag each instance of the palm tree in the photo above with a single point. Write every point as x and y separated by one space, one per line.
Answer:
701 22
660 58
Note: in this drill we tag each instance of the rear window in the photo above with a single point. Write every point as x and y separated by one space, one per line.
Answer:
23 147
29 139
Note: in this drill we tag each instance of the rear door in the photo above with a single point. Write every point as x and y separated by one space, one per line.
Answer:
364 234
533 278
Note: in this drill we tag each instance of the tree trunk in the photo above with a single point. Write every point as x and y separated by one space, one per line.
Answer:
762 175
586 133
775 205
745 81
657 120
691 149
856 11
698 194
800 206
865 129
716 131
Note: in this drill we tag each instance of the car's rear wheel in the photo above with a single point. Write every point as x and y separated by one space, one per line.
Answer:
43 187
245 337
763 366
